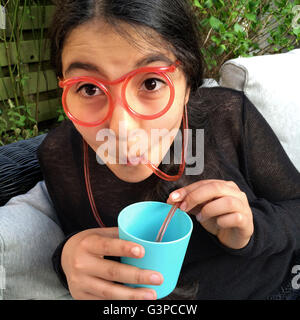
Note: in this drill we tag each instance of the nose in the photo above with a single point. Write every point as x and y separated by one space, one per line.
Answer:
121 121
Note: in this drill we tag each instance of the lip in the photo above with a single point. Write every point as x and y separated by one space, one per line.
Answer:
134 161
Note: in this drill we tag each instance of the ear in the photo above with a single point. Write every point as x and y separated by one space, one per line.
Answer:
60 82
187 95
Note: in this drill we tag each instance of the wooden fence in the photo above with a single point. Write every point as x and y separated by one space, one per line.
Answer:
25 64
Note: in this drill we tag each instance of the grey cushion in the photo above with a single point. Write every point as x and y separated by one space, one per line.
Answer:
29 234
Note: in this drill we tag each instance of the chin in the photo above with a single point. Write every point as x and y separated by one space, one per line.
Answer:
131 174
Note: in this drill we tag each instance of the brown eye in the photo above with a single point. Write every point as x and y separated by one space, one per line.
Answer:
153 84
89 90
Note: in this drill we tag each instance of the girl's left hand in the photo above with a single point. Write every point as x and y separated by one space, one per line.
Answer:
221 208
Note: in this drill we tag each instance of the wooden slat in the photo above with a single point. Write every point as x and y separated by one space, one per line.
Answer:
6 90
38 21
47 109
29 52
33 18
29 56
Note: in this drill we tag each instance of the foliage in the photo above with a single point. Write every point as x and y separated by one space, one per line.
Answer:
20 118
19 129
230 29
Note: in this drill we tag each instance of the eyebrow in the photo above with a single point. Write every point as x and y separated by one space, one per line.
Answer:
140 63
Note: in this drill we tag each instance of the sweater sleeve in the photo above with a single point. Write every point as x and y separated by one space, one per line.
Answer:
276 184
56 261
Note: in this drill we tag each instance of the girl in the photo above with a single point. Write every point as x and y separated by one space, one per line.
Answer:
139 63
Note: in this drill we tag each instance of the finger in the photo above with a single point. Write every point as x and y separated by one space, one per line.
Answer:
109 232
103 246
207 193
107 290
180 194
86 296
230 220
220 206
119 272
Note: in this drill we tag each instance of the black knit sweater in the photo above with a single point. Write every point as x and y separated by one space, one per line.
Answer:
239 146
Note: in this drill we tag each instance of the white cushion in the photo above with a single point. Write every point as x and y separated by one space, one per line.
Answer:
272 83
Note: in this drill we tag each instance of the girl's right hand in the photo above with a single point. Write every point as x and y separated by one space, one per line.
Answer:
92 277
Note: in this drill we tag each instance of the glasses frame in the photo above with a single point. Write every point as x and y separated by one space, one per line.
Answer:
68 83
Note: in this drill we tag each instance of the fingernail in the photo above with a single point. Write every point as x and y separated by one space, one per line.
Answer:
183 206
136 251
155 279
175 195
149 296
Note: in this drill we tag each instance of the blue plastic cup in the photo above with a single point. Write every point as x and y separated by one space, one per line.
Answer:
140 223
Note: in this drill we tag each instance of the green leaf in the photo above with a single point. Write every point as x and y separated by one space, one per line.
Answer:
17 131
10 103
228 35
216 40
238 28
220 49
35 130
252 17
61 118
31 119
208 4
197 4
215 23
296 31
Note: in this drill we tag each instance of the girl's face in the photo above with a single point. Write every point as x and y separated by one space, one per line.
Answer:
94 49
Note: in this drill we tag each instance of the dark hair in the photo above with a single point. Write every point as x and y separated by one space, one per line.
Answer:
171 19
174 21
